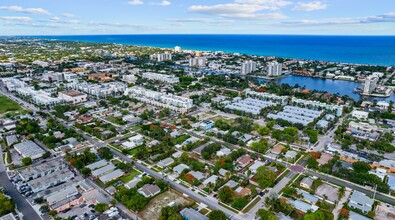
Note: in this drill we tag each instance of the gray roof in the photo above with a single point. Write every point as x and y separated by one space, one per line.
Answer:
165 162
231 184
307 180
180 167
192 214
103 170
212 179
303 206
149 190
46 167
291 154
51 179
361 201
111 176
98 164
65 193
197 174
29 149
355 216
132 183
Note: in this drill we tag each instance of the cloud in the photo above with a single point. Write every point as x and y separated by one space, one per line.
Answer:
163 3
271 4
68 15
16 18
59 20
136 2
310 6
25 10
386 18
199 20
239 11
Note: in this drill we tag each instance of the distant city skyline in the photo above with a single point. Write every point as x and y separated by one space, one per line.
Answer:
325 17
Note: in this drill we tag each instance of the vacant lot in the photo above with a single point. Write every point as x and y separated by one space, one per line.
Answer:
8 105
152 210
327 190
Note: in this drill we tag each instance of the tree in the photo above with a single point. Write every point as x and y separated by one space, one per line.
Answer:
7 205
266 215
217 215
169 213
265 177
101 207
361 167
210 150
105 153
27 161
44 209
46 155
225 194
318 215
52 212
260 147
113 202
85 171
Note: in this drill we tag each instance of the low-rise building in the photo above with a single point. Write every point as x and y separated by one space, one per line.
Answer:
111 176
192 214
73 97
29 149
361 202
149 190
50 180
362 115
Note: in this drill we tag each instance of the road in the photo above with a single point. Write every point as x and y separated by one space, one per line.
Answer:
20 201
25 104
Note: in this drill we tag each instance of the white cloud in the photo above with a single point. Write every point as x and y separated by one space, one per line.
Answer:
199 20
25 10
271 4
163 3
59 20
310 6
239 11
68 15
386 18
16 18
136 2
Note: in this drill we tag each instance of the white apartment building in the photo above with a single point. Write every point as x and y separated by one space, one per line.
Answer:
248 67
70 77
172 102
52 76
39 97
40 63
316 104
12 84
100 90
129 78
370 84
274 68
360 114
198 61
170 79
161 56
73 97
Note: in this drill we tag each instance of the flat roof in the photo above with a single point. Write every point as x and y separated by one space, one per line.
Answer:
73 93
29 149
51 178
110 176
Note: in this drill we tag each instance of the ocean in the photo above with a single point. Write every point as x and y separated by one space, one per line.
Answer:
371 50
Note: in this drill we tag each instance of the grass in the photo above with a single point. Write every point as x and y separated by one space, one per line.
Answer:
130 176
135 150
181 139
8 105
228 207
252 204
204 211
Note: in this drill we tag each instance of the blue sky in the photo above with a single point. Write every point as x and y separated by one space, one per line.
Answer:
60 17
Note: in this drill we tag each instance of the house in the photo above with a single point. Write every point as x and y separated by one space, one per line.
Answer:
111 176
222 172
278 149
243 191
137 139
244 161
253 168
307 197
174 134
192 214
306 183
84 119
128 145
206 125
223 152
180 167
197 174
149 190
231 184
165 162
96 165
212 179
304 207
132 183
323 124
291 155
355 216
361 202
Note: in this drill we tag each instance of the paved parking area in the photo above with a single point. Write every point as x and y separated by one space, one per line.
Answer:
385 212
330 191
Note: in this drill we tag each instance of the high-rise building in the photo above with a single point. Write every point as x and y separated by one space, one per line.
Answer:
177 49
197 61
370 84
161 56
248 67
274 68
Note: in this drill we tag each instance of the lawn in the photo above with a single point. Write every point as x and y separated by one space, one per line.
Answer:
8 105
135 150
130 176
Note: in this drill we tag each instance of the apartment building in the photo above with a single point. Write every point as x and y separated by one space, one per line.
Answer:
100 90
170 79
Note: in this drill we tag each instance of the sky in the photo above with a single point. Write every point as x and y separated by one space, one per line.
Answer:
74 17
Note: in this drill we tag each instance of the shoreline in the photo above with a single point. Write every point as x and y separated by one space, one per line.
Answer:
230 51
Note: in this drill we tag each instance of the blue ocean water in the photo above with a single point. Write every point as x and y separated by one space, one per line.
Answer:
373 50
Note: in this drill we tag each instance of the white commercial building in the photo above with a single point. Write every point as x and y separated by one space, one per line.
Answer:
12 84
129 78
197 61
248 67
296 115
170 79
39 97
69 77
161 56
52 76
172 102
274 68
29 149
73 97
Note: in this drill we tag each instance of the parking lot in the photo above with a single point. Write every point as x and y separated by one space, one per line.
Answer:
329 191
